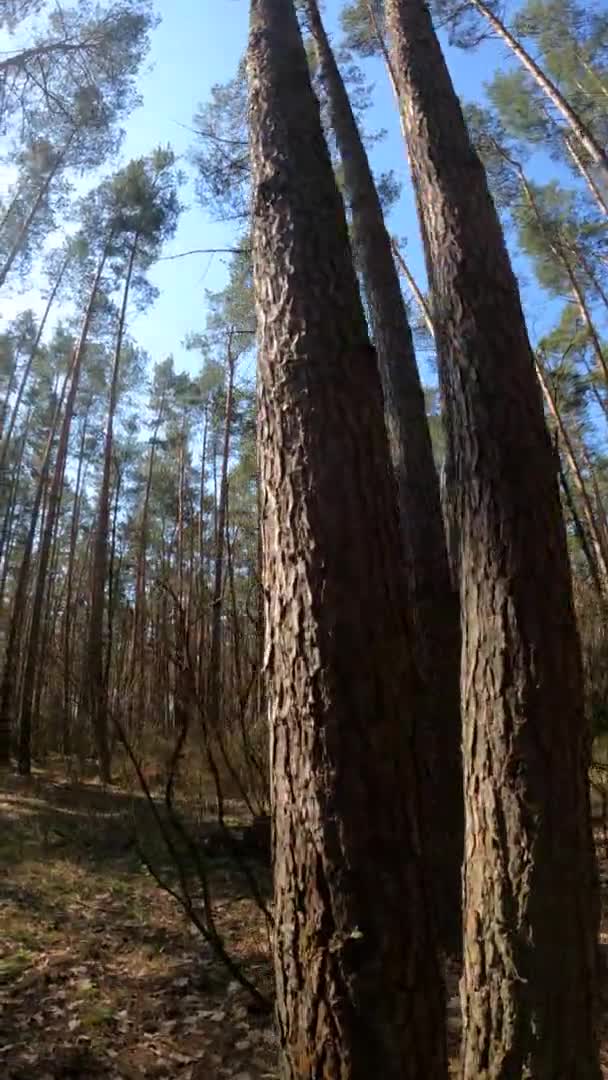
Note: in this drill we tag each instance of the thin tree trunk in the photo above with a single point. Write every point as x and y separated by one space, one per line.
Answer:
214 674
6 538
559 251
530 891
55 494
587 175
9 516
94 696
580 532
432 602
598 541
139 607
10 673
112 576
202 591
419 296
359 990
580 129
67 621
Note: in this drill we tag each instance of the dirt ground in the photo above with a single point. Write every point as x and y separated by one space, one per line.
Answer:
101 974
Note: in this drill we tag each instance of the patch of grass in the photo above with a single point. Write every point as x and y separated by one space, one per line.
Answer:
121 889
97 1015
11 967
26 938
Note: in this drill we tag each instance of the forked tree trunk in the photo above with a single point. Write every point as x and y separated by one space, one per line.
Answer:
432 601
359 991
530 903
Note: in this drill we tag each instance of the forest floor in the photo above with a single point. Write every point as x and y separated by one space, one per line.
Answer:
100 974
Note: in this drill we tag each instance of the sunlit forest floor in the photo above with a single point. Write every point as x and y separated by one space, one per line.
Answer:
100 974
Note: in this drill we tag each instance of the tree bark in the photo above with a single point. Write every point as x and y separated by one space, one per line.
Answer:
530 899
359 990
432 602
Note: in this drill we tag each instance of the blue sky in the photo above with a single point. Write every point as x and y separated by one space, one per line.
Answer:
197 44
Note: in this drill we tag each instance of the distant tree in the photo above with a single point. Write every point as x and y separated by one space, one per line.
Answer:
142 207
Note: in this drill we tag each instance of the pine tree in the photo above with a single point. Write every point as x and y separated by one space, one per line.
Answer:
340 679
529 1002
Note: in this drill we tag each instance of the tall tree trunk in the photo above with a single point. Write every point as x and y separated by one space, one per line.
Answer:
214 674
359 990
6 537
581 534
138 630
432 602
11 502
55 495
113 577
94 697
582 132
67 618
25 374
587 174
10 672
202 587
530 901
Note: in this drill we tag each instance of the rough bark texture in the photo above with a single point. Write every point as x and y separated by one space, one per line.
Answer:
530 909
358 986
432 602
